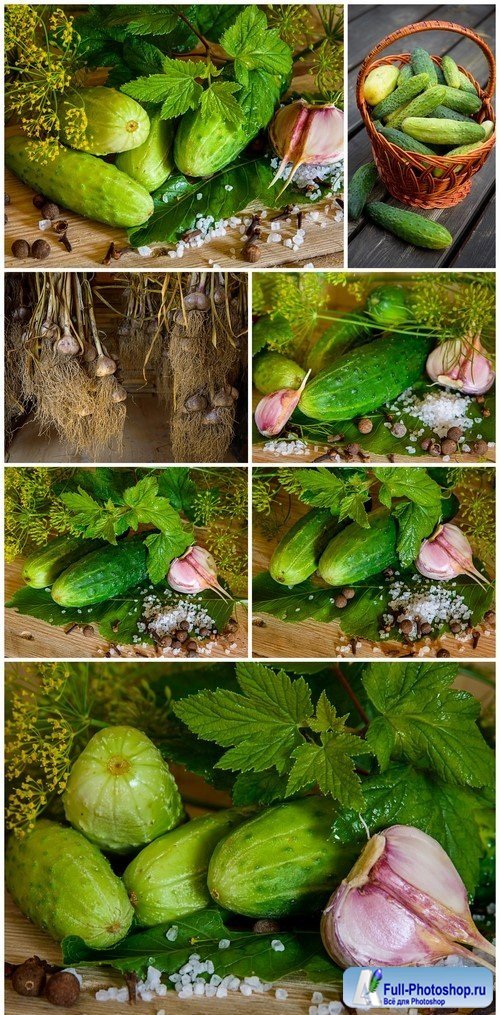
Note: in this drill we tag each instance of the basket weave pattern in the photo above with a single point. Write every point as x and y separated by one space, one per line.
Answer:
408 176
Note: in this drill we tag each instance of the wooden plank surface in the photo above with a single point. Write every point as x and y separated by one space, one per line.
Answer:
276 639
471 223
30 638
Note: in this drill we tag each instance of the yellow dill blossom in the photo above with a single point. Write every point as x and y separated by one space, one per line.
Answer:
29 500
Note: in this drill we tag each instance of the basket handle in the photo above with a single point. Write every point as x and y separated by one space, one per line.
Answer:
428 26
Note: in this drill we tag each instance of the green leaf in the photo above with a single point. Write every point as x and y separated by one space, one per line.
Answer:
254 46
148 508
422 720
176 88
162 549
414 524
259 788
152 20
177 486
249 954
260 727
116 619
330 766
292 605
353 506
415 484
258 101
92 519
142 57
177 207
274 332
219 101
404 795
321 488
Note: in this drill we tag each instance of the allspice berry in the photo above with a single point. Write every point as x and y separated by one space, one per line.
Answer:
398 430
448 447
340 602
20 248
63 990
251 252
266 927
406 626
454 433
480 447
50 210
39 200
29 978
426 443
435 450
442 654
40 250
365 425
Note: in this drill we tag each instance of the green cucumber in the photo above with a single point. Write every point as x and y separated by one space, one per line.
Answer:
444 113
297 553
386 305
114 122
466 84
461 101
409 226
82 183
349 330
42 567
450 71
402 140
101 575
446 132
356 553
488 127
271 372
421 105
152 163
421 63
405 73
366 378
360 188
402 94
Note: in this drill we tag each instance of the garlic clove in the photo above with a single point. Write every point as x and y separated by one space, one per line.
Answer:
194 571
273 411
462 365
307 134
446 554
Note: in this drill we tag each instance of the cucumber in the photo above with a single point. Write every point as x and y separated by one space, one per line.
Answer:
421 63
405 73
115 122
351 329
488 127
82 183
402 140
297 554
441 80
386 305
451 72
356 553
102 574
444 113
408 91
360 188
445 132
152 163
421 105
366 378
271 372
461 101
409 226
380 82
466 84
42 567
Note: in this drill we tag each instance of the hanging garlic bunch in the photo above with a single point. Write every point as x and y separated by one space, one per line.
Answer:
403 904
446 554
461 364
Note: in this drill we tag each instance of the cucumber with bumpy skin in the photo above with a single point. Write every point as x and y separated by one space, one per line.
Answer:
409 226
271 372
356 553
152 163
82 183
380 82
443 132
348 330
421 105
114 122
297 553
402 140
451 72
421 63
386 305
461 101
444 113
366 378
360 188
488 127
102 574
401 95
466 84
405 73
42 567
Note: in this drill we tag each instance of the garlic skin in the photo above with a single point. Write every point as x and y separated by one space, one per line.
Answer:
446 554
306 135
462 365
194 571
402 904
273 411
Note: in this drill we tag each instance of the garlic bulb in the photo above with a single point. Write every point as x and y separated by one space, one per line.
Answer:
462 365
194 571
273 411
403 904
305 134
446 554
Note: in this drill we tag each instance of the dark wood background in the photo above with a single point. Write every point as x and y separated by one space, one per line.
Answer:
472 222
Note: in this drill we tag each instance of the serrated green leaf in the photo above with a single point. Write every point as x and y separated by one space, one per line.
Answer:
320 487
162 549
424 721
415 522
218 101
330 766
254 46
415 484
258 788
353 506
326 715
404 795
176 88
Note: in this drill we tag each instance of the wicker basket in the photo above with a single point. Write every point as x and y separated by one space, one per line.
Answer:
408 176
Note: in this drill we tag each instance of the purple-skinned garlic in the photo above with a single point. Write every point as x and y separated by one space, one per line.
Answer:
461 364
195 571
446 554
402 904
273 411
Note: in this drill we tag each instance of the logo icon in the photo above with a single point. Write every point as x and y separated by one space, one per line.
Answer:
366 992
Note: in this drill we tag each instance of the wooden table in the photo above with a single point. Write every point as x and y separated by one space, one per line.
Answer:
471 223
276 639
30 638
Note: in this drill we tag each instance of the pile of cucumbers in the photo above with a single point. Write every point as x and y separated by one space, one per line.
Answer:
425 108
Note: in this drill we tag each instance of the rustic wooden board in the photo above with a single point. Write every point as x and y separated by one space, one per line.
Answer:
471 223
276 639
30 638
